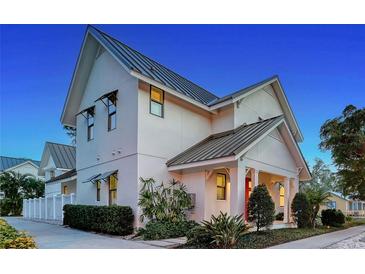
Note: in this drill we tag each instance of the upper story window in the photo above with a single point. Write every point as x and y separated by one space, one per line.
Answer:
52 174
112 111
221 186
157 101
90 124
65 190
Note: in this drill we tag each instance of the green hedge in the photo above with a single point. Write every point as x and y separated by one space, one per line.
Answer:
156 230
117 220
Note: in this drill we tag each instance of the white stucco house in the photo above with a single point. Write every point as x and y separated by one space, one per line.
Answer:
136 118
57 165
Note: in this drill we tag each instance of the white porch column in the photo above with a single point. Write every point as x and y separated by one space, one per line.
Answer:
72 198
237 189
255 177
54 207
286 199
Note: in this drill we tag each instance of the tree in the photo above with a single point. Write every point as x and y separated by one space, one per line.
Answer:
11 183
261 208
301 210
17 187
71 132
344 136
317 196
163 203
322 176
33 188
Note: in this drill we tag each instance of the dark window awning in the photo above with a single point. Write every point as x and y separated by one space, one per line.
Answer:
106 175
92 179
89 109
112 94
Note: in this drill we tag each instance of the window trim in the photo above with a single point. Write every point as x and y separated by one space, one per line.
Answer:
110 190
90 114
110 114
221 187
65 187
161 104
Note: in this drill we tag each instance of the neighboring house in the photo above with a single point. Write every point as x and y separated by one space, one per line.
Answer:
345 204
136 118
58 167
19 165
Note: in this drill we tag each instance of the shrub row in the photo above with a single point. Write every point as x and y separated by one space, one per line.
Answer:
117 220
332 217
156 230
11 238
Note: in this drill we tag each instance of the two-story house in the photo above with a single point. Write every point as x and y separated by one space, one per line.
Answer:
58 165
136 118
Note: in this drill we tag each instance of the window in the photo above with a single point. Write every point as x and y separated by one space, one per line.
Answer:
98 187
331 204
65 190
113 183
156 101
282 195
221 186
112 111
52 174
90 124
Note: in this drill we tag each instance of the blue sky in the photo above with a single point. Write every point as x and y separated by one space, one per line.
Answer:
321 67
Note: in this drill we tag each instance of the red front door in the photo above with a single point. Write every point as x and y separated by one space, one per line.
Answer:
247 195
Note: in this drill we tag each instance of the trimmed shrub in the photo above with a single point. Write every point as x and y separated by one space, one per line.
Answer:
279 216
301 210
156 230
11 238
332 217
198 237
261 208
117 220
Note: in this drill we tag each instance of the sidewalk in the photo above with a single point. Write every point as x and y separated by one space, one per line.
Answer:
322 241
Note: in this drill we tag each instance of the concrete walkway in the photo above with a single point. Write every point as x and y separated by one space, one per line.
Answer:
324 240
56 236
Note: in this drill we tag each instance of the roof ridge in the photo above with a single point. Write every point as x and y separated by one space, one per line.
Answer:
53 143
18 158
154 61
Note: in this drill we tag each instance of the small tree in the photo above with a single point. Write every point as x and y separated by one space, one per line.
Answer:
301 210
163 202
316 196
261 208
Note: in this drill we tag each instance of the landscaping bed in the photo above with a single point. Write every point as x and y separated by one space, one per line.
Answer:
264 239
11 238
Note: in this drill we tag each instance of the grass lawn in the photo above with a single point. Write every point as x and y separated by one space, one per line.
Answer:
279 236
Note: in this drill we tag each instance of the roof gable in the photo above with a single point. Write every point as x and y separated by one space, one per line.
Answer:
10 162
63 156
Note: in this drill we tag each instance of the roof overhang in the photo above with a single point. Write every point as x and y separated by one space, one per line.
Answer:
293 147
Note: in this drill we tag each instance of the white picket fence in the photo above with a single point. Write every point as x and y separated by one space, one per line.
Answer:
47 208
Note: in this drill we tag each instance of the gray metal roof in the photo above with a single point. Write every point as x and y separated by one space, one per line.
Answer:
8 162
224 144
242 91
135 60
64 156
65 175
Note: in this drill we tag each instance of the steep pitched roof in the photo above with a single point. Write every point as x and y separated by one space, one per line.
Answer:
64 156
224 144
9 162
136 61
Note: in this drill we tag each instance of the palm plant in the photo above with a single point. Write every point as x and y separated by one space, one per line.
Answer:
163 202
317 195
224 230
12 183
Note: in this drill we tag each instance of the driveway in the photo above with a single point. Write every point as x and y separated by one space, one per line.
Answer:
56 236
338 239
